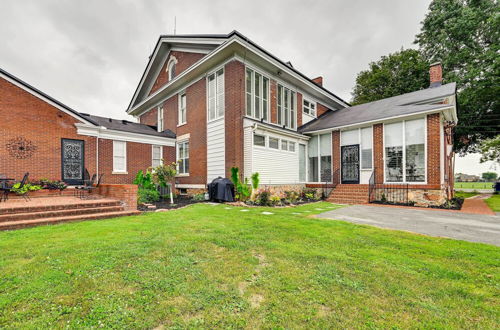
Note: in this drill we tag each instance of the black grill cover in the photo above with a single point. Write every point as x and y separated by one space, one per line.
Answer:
221 190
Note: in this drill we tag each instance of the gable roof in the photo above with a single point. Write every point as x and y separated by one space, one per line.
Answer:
128 126
396 106
221 44
44 97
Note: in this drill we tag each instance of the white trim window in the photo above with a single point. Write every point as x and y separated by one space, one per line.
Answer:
274 143
160 123
366 148
257 95
171 68
320 158
404 151
309 107
119 156
157 156
182 109
183 157
215 95
286 107
259 140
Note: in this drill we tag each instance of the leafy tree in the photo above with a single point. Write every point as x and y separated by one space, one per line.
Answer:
489 176
395 74
464 36
490 149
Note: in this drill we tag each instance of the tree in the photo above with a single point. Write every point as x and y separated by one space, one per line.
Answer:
464 36
490 149
395 74
489 176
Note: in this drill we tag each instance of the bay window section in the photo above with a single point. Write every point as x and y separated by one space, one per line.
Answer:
415 150
326 157
313 159
257 95
286 107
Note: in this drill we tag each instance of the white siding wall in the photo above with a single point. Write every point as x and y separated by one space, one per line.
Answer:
275 166
306 118
216 149
247 151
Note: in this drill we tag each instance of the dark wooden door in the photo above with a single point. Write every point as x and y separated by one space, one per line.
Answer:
350 163
72 158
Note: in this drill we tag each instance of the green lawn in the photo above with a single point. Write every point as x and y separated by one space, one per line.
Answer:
494 202
464 194
210 267
474 185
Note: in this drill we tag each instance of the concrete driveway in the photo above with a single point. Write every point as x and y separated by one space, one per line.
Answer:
457 225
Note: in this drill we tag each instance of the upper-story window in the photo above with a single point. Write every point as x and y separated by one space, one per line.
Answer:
171 68
257 95
182 109
216 95
309 107
160 119
286 107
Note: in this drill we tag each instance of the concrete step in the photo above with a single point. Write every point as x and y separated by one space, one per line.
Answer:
54 220
59 213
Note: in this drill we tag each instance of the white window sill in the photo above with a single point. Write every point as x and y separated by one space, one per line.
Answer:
115 172
182 175
308 115
181 124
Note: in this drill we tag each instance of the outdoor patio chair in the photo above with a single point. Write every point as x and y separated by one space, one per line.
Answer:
86 180
8 189
86 184
90 188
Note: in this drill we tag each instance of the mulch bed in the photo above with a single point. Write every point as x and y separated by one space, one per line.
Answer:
165 204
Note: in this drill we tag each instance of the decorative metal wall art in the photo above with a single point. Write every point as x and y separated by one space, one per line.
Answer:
21 148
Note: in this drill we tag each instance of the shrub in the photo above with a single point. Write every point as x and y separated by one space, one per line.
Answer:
144 180
148 195
291 197
263 198
50 184
275 200
163 174
243 189
309 194
24 189
199 197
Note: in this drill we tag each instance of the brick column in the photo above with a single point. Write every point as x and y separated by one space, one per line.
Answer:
274 102
299 110
336 156
378 152
433 149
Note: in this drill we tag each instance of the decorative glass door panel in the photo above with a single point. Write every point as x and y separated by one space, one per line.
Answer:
350 164
72 161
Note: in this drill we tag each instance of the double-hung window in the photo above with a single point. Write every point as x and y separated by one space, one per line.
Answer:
366 148
216 95
405 151
157 156
182 109
160 119
119 156
257 95
183 157
309 107
286 107
320 158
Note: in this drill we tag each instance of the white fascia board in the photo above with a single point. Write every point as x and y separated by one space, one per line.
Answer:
46 100
382 120
235 40
104 133
280 131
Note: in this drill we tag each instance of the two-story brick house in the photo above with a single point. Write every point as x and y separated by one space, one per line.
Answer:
232 103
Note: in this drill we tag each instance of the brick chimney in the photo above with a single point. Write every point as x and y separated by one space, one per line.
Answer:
436 74
318 80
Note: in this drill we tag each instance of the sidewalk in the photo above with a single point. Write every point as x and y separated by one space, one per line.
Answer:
477 205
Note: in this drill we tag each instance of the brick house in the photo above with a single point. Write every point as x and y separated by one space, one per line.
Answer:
232 103
46 138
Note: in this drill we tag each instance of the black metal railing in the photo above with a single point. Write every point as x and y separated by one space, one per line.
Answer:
327 187
386 193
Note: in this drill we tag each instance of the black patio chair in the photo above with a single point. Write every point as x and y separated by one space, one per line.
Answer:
90 188
86 182
8 189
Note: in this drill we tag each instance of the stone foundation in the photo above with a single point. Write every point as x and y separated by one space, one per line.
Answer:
425 198
280 190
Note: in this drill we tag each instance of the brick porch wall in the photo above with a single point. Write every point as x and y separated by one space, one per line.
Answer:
127 193
336 155
378 152
433 149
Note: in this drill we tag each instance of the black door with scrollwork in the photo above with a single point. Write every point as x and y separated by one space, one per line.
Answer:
350 163
72 157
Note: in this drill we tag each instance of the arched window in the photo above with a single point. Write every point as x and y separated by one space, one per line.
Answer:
171 68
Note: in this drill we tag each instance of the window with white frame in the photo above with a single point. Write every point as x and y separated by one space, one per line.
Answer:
320 158
119 156
257 95
183 157
274 143
182 109
171 68
302 162
309 107
366 148
291 146
404 144
286 107
157 154
160 119
216 95
284 145
259 140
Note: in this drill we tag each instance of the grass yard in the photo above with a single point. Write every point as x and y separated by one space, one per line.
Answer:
494 202
473 185
465 194
210 266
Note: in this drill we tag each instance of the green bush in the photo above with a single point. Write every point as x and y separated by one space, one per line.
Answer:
292 197
263 198
27 187
309 194
199 197
148 195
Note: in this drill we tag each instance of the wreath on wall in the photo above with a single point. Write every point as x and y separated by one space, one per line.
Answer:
20 148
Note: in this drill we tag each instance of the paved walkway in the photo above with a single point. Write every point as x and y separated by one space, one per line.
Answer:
477 205
458 225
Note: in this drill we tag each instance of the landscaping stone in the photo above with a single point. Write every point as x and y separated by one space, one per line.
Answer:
267 213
